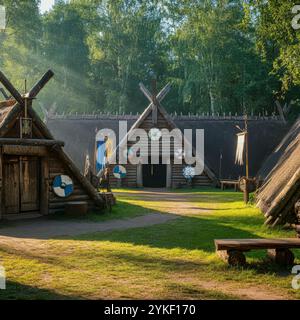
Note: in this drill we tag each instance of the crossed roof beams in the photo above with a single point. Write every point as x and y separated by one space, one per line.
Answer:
31 94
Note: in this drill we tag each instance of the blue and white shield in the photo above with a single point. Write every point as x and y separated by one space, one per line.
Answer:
63 186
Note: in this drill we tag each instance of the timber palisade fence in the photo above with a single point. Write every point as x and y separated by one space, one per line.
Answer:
178 116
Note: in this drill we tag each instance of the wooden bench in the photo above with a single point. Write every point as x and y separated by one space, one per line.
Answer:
232 251
233 183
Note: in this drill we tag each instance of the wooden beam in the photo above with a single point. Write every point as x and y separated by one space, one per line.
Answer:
280 111
11 89
9 120
30 142
40 124
164 92
154 114
1 185
251 244
99 201
40 84
146 92
18 150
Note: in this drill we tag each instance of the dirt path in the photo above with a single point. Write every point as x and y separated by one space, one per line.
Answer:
47 229
175 205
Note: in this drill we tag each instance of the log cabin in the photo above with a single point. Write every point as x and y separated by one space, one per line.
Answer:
265 132
33 165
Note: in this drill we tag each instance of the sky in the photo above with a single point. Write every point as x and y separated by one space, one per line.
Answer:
46 5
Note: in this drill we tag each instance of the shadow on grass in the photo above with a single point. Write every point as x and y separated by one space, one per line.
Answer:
122 210
186 233
17 291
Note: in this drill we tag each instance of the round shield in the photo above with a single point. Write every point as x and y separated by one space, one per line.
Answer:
119 172
154 134
63 186
188 172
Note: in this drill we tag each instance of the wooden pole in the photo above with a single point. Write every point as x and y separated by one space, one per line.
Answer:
10 88
246 191
25 100
154 99
95 153
40 84
247 147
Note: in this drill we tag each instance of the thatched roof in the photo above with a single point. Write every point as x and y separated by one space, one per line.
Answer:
10 111
281 190
78 132
5 108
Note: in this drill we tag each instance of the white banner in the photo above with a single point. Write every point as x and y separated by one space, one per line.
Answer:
239 157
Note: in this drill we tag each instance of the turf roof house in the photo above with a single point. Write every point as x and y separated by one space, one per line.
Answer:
78 131
160 175
281 189
29 165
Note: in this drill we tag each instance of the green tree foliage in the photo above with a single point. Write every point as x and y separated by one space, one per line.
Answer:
220 68
219 55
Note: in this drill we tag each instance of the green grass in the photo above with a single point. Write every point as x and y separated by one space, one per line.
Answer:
122 210
175 260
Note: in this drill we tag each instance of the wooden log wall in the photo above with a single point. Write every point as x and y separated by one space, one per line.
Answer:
177 178
56 167
130 180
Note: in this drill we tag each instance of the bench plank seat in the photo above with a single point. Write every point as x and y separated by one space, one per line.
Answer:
252 244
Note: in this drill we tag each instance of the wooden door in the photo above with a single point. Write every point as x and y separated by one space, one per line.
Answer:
29 184
12 185
154 175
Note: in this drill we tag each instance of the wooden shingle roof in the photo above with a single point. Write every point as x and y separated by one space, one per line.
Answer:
281 189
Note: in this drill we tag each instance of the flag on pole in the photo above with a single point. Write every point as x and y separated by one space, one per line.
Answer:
239 157
100 155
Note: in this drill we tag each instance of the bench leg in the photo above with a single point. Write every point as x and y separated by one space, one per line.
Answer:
283 257
233 257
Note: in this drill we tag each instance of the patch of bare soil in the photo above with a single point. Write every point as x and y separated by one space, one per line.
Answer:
245 292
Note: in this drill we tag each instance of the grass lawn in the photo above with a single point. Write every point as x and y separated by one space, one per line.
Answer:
175 260
122 210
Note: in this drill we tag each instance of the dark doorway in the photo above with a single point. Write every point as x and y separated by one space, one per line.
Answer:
154 175
21 184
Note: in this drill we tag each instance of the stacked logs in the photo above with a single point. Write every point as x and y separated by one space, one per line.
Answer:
282 209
